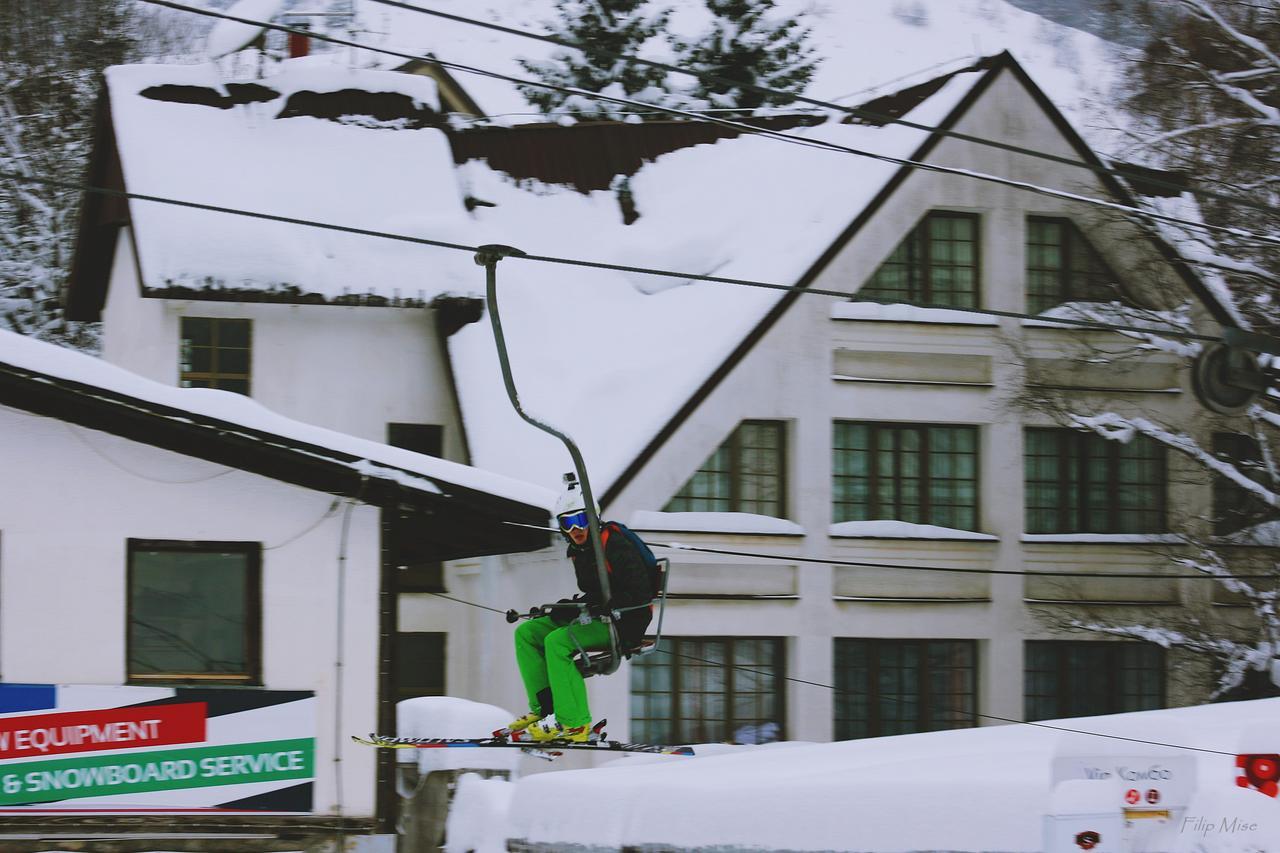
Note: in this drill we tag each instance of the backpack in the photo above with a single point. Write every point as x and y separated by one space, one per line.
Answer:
646 556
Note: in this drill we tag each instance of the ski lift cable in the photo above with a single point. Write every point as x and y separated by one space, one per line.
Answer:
854 111
1085 325
964 713
1138 213
791 558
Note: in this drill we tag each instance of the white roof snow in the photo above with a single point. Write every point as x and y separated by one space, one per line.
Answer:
607 357
413 470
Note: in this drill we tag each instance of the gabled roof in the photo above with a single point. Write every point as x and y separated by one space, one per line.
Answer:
459 511
618 360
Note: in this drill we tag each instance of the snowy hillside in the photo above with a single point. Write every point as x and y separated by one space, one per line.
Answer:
974 789
867 47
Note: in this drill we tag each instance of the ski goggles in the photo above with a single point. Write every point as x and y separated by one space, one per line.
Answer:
573 520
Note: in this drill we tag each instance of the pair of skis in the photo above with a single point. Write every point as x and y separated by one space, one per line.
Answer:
502 738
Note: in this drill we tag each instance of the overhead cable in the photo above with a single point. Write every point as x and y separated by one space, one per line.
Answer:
578 262
856 112
793 558
1137 212
960 711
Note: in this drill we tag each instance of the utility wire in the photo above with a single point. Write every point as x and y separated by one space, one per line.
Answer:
791 558
1089 325
856 112
900 700
1139 213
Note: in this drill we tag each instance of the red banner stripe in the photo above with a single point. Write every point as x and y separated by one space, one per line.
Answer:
38 735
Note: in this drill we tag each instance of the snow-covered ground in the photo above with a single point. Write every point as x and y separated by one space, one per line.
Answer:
970 790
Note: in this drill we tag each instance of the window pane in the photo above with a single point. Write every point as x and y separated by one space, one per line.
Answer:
936 263
745 474
708 689
419 664
192 613
886 687
917 473
215 353
1084 678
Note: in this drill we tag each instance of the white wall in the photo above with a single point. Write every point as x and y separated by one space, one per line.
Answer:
352 369
72 496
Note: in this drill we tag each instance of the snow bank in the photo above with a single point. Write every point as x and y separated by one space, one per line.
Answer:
973 789
478 815
415 470
448 716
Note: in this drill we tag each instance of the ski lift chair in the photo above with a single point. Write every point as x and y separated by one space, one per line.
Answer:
606 661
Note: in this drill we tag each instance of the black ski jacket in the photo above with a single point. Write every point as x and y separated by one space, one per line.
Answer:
629 581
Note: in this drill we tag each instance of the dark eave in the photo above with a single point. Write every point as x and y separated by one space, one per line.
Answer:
458 523
101 217
993 66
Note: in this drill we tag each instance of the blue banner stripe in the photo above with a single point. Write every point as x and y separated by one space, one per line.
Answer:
27 697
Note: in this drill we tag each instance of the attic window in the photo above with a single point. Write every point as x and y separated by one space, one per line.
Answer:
746 474
215 352
937 264
1063 267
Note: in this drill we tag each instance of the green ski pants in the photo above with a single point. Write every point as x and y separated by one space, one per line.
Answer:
544 653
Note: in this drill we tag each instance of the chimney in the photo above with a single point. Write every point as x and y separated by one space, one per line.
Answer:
299 44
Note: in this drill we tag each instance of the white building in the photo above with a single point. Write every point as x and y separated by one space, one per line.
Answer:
730 418
188 570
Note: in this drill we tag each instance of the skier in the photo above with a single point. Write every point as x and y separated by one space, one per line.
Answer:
545 645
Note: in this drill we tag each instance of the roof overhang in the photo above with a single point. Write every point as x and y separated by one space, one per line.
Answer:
450 521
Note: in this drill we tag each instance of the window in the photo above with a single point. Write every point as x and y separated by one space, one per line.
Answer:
215 354
419 669
693 691
1063 267
194 611
420 438
909 472
894 687
936 264
1082 678
1079 482
414 574
1234 507
746 474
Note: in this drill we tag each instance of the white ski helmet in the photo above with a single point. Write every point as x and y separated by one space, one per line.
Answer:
570 499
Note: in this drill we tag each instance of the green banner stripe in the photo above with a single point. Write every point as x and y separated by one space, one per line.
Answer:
164 770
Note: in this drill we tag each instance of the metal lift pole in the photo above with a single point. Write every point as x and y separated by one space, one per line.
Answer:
488 257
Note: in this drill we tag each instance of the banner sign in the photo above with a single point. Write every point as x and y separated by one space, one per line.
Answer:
92 749
1146 782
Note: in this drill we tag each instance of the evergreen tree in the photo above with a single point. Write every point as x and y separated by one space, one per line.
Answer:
605 29
747 46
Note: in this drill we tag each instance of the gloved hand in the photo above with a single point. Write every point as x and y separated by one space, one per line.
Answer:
599 611
564 615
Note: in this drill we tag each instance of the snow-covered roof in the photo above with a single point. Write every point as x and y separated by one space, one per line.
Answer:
37 376
608 356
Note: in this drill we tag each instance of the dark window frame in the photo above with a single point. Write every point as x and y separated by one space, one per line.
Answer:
1073 243
1077 518
926 477
437 653
735 473
253 611
677 654
215 377
927 709
1116 674
919 264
